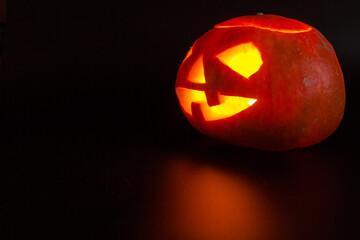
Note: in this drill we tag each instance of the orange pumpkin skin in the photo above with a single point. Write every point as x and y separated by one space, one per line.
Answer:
299 87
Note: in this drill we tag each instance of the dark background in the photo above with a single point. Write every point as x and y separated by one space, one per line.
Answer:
90 122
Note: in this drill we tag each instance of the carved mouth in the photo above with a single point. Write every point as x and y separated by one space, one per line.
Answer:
229 105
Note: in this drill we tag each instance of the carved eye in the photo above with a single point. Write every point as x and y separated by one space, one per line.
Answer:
196 74
245 59
188 54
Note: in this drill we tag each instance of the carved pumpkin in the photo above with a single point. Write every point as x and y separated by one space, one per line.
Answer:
262 81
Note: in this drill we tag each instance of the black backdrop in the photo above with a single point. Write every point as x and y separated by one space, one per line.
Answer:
89 122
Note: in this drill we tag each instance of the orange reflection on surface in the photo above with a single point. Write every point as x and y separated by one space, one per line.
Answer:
204 203
229 105
244 59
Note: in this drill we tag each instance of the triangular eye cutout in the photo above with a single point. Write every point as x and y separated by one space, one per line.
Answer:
188 54
196 74
245 59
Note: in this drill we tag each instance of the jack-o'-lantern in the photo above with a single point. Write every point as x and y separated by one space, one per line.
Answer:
262 81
